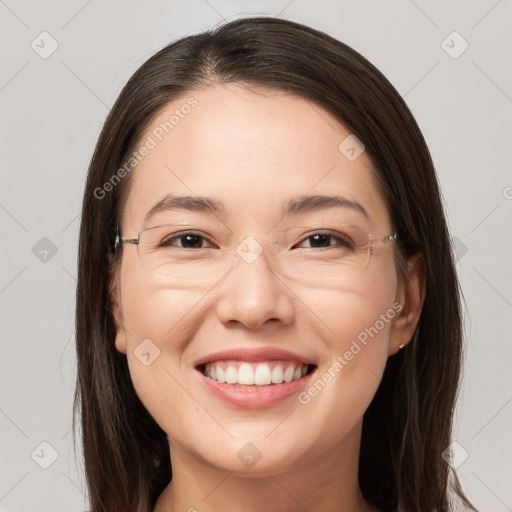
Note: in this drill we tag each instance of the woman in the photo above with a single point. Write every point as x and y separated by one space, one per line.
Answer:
266 293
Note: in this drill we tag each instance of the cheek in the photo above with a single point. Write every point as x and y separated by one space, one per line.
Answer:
151 309
359 321
157 323
362 311
361 317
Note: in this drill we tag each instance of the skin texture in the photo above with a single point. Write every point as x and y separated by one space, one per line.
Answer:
254 151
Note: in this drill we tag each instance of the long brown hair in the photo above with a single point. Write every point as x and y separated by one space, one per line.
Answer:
409 422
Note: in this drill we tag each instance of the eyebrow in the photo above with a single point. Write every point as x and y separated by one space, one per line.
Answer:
189 203
311 203
303 204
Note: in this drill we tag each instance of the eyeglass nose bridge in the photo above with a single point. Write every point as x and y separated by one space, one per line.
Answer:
250 249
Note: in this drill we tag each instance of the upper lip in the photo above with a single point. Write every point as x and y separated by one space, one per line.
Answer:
254 354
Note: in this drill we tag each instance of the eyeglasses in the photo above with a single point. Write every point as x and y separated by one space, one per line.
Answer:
189 258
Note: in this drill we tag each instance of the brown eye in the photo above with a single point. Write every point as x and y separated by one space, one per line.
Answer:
325 240
186 241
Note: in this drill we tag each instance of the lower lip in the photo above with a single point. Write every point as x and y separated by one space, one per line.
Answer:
255 397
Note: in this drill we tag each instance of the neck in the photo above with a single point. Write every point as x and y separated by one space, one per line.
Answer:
317 482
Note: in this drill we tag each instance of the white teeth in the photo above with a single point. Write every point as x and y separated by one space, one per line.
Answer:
289 373
231 375
259 374
277 374
246 374
262 375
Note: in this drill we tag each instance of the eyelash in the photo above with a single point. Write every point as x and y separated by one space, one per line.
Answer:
341 241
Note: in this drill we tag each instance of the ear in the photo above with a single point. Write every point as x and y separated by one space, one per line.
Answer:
117 312
410 295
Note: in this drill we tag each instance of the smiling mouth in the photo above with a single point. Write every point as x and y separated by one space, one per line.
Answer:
255 374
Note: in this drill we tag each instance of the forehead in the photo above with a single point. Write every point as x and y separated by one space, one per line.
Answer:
250 150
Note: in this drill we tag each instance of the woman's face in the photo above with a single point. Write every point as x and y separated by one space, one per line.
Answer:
282 301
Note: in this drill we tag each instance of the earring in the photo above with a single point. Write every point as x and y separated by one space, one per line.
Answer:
400 347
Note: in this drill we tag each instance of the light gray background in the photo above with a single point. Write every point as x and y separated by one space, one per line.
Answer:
51 113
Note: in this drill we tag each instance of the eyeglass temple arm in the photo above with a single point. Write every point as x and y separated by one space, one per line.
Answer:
390 238
120 240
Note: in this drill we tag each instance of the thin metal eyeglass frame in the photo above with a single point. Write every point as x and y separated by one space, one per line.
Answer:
135 241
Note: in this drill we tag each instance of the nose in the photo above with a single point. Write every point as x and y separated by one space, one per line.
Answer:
253 293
